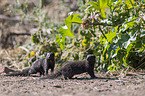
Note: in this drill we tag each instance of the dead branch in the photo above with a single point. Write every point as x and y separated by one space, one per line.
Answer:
3 17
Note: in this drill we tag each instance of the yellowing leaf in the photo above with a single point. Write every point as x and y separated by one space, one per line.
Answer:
84 42
56 54
32 53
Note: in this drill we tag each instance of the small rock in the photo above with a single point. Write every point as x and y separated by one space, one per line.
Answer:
57 86
118 81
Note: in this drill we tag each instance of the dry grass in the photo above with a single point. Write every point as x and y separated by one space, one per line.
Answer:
12 58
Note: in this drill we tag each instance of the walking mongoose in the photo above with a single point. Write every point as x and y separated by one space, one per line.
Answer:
41 65
70 69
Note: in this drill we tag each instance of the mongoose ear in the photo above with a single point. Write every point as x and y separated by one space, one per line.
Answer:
50 54
90 57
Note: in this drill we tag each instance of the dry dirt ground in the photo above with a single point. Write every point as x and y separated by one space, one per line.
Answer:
81 85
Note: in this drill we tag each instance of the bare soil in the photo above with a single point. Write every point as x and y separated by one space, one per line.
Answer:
81 85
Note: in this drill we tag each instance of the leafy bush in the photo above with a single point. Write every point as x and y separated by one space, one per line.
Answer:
121 23
110 29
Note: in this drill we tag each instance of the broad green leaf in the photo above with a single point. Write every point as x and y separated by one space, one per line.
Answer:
72 19
132 2
84 42
130 22
100 4
95 5
76 20
112 67
60 41
62 47
57 38
68 21
103 13
110 36
34 20
119 2
129 47
66 32
75 15
89 8
126 44
129 3
109 2
103 4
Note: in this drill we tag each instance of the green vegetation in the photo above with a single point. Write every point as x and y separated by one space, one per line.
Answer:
112 30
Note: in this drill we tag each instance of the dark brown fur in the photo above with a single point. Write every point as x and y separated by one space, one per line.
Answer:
41 65
75 67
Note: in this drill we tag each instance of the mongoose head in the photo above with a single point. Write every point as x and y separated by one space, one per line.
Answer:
50 55
91 58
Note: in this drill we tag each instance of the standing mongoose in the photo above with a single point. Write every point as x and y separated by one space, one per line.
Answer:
41 65
75 67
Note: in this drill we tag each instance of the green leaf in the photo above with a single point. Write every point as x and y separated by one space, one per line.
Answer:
100 3
109 2
66 32
72 19
17 2
103 4
103 14
112 67
129 3
40 3
110 36
45 17
100 6
89 8
60 41
124 61
34 20
76 19
95 5
68 21
129 47
23 18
